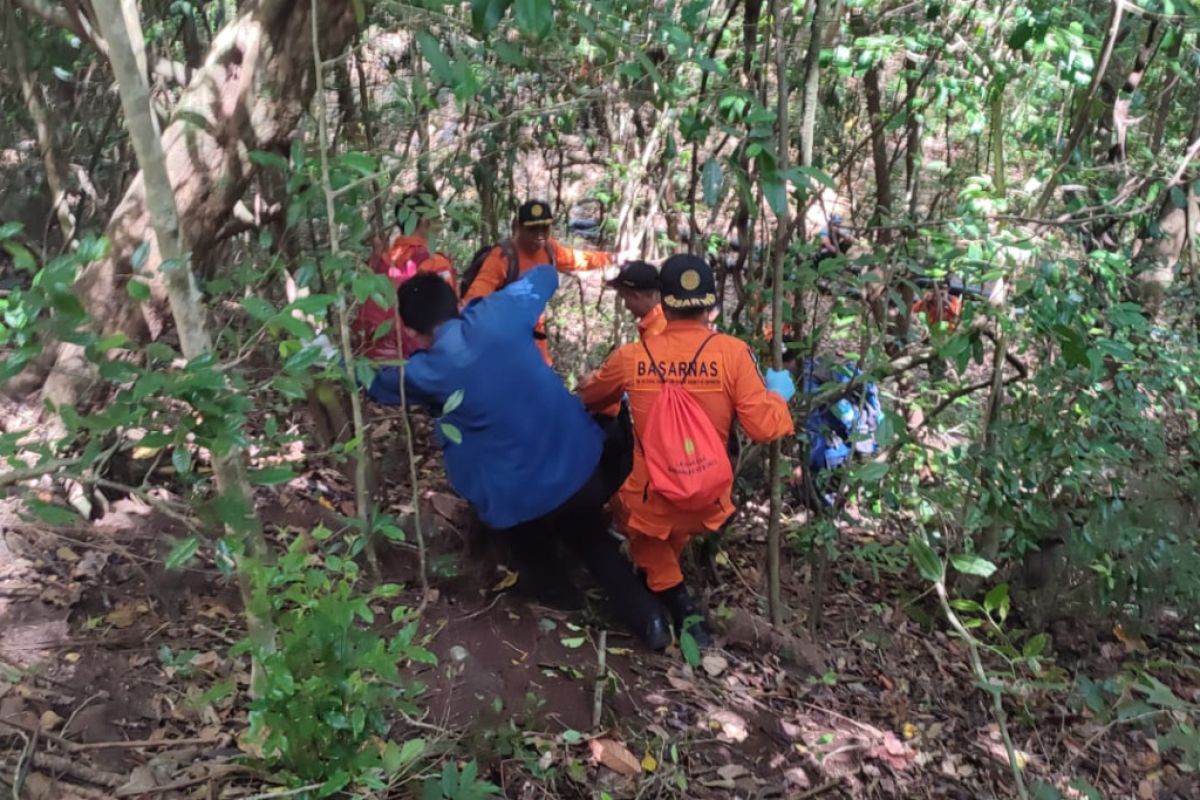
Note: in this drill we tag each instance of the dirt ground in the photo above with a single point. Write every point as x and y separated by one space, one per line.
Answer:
106 659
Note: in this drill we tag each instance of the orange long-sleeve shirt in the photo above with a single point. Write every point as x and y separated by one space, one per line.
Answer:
725 382
494 271
400 248
652 324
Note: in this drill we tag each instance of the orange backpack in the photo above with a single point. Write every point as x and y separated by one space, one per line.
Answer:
685 456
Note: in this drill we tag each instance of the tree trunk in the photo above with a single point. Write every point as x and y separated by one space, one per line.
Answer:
812 84
250 95
35 102
122 30
779 10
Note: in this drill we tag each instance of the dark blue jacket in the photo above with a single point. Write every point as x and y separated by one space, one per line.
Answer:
527 443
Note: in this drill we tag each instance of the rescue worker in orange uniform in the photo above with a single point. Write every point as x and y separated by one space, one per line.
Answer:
637 286
531 245
725 381
409 254
416 218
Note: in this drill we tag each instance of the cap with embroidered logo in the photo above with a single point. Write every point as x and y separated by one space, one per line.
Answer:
686 282
535 212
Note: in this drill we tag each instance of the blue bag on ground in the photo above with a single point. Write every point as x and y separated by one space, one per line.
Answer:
838 430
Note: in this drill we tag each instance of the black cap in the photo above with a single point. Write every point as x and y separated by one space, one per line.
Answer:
636 275
535 212
687 281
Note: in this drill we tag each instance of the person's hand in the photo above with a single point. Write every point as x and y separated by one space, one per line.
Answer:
781 383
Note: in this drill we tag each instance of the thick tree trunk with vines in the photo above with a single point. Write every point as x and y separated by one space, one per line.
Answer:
250 95
122 29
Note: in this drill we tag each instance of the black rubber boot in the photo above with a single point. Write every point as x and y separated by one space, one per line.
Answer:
630 601
679 603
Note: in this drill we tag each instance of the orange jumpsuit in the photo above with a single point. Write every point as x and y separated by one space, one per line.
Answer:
939 307
726 383
494 271
652 324
437 263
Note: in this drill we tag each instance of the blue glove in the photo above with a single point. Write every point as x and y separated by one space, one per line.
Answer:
781 383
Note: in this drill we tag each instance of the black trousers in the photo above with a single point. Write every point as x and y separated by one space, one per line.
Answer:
544 548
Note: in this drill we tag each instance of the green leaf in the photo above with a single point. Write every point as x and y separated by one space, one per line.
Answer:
22 258
451 432
818 175
713 180
271 476
111 342
10 229
138 291
182 459
573 642
302 359
396 757
51 513
452 402
997 600
138 259
927 561
971 564
1044 791
258 308
1086 789
871 472
435 56
774 190
1035 645
486 14
571 736
359 162
182 552
534 17
269 160
689 648
1073 344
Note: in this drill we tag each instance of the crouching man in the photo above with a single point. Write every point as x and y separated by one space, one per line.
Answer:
686 386
524 452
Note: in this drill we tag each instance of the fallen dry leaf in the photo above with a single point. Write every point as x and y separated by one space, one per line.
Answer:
91 565
797 778
731 772
50 720
65 553
507 582
615 756
908 730
206 661
649 762
731 727
122 616
714 664
893 752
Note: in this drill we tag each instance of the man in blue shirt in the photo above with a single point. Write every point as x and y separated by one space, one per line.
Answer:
529 457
